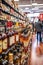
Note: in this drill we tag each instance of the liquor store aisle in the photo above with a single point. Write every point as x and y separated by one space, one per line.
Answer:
20 20
35 60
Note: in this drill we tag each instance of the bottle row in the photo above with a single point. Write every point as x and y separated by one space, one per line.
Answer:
10 38
14 47
12 50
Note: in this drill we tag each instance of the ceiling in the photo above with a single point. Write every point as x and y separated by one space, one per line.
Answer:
25 2
26 5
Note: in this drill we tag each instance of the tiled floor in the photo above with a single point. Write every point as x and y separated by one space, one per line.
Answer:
35 60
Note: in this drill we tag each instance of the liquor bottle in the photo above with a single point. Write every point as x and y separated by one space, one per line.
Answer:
3 59
11 38
26 31
25 41
10 58
17 37
0 44
3 62
21 38
16 58
0 49
4 42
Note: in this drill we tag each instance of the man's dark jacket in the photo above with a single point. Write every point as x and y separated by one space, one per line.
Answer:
38 27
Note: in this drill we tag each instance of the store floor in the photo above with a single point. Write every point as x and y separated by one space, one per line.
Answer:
35 60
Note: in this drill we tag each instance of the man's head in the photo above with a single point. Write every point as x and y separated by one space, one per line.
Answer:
39 20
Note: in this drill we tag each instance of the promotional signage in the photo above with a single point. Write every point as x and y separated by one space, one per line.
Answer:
41 17
9 24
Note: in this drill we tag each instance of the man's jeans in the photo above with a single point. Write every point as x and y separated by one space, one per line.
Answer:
38 38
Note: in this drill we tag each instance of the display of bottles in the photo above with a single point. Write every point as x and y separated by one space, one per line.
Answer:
3 61
13 35
12 47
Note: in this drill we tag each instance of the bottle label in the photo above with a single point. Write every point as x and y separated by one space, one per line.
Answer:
5 44
25 44
12 40
17 37
0 46
10 57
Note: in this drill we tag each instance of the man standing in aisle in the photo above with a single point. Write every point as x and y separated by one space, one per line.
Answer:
42 32
38 28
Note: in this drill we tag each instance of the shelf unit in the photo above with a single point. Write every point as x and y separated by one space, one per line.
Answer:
10 14
8 5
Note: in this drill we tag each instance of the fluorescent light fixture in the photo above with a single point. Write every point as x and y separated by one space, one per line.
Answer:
27 8
35 8
33 15
29 15
34 3
24 5
37 4
16 0
40 4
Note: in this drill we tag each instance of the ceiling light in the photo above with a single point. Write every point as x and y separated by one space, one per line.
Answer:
33 15
35 8
34 3
16 0
26 8
40 4
26 11
23 5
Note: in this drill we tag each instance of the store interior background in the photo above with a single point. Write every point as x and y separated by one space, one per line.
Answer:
33 8
29 12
